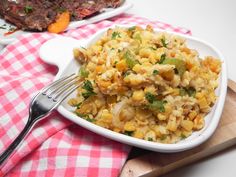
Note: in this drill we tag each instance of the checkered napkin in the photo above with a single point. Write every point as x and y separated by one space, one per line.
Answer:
55 146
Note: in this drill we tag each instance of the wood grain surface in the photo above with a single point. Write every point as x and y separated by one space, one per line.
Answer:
156 164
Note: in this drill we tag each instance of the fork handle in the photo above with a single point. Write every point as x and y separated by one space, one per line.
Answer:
4 156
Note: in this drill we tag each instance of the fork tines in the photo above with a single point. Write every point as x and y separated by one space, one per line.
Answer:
62 88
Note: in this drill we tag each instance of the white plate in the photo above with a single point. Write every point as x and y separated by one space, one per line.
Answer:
62 57
105 14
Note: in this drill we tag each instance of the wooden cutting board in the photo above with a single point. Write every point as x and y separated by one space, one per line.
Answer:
156 164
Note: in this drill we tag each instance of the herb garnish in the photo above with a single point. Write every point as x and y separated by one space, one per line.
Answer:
182 136
115 34
190 91
78 105
127 73
83 47
163 42
28 9
163 57
132 28
85 116
62 9
150 97
90 119
163 137
182 92
155 72
89 89
129 133
154 103
153 48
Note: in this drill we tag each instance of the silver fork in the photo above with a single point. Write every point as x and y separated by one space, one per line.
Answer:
41 105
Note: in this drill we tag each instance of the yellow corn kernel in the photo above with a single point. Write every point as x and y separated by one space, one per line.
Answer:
147 63
129 126
138 95
175 92
73 102
203 103
104 84
187 125
211 97
161 116
106 116
134 80
138 68
198 122
144 60
159 53
91 66
150 136
121 65
99 42
157 131
96 48
152 58
102 124
192 115
168 109
145 52
185 134
138 134
172 124
116 130
213 64
99 103
199 95
150 89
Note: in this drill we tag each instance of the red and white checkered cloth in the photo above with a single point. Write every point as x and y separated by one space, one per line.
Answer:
55 146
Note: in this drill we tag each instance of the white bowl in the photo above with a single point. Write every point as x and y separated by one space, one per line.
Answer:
58 51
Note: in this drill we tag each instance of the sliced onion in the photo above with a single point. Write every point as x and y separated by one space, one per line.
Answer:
116 112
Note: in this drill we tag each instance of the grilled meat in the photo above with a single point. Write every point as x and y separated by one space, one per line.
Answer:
36 15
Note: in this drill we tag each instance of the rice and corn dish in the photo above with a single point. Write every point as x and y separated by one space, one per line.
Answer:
145 84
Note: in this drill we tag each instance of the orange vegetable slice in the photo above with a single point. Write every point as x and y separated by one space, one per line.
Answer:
61 23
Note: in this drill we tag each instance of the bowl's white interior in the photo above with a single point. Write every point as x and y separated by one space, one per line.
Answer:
198 137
